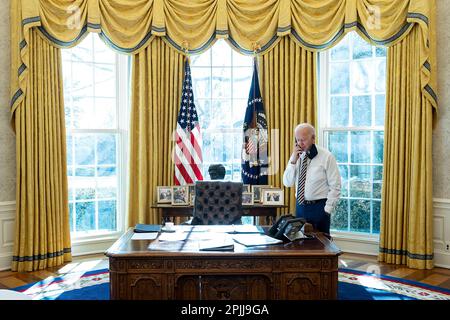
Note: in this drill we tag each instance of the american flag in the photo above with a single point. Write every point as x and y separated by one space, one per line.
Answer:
188 152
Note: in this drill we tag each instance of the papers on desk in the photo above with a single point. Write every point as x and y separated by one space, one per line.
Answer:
220 242
173 236
255 240
144 236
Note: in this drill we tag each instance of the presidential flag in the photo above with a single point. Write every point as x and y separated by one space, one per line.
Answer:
188 140
254 149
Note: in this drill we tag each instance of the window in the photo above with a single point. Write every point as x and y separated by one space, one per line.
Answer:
221 81
351 126
96 103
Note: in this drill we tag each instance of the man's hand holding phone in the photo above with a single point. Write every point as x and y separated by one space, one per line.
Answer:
296 153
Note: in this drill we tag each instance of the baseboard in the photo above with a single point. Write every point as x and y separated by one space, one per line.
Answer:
5 261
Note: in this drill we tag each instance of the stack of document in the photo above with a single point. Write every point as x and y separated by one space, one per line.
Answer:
255 240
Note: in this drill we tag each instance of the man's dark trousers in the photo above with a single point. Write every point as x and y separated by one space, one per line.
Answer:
315 214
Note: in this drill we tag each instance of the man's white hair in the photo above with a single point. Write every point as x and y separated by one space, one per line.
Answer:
311 129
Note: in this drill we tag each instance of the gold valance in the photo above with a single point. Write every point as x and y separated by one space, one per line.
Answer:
194 25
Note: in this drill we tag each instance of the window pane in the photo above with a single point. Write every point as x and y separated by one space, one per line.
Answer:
378 144
362 111
105 113
337 144
339 111
376 209
106 171
221 82
377 190
360 183
380 106
71 216
69 149
239 108
83 112
339 219
201 60
107 193
84 149
82 80
107 215
343 170
105 84
242 78
220 113
339 78
360 147
380 76
361 48
361 76
203 112
360 215
85 172
201 82
85 194
380 51
221 54
341 50
377 173
85 216
241 60
82 52
106 149
103 54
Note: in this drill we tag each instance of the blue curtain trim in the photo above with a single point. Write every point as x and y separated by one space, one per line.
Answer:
22 44
63 43
282 29
408 254
42 256
21 69
222 32
432 93
94 25
420 16
105 38
194 51
427 65
16 96
30 20
159 29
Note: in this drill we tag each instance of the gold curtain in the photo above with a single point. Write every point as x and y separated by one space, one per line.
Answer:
288 77
129 26
406 223
42 237
156 82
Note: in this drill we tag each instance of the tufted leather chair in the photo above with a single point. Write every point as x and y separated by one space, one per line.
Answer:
217 202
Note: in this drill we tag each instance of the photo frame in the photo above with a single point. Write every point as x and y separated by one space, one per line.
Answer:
191 189
192 199
272 196
247 198
256 190
180 195
246 188
164 194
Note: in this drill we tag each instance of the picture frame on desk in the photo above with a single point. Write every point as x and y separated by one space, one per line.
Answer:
247 198
256 189
180 195
191 189
164 194
192 199
246 188
272 196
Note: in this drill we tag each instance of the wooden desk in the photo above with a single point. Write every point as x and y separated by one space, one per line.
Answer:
306 269
256 210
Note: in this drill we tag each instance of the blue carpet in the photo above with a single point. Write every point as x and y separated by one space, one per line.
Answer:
55 289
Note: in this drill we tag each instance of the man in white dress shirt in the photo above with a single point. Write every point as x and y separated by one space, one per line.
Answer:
314 172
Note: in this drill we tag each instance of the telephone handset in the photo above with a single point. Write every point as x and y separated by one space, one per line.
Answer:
288 228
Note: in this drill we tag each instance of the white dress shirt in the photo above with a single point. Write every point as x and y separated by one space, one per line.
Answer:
323 180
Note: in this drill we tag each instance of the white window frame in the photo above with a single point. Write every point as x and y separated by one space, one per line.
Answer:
323 113
105 238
